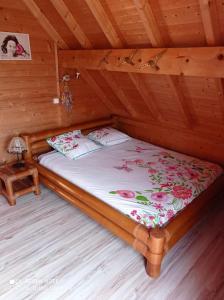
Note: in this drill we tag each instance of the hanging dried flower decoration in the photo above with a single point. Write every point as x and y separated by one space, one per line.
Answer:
66 96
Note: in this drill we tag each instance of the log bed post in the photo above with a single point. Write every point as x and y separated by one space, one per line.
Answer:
156 252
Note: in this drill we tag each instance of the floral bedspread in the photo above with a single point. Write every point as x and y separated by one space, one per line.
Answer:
174 180
145 182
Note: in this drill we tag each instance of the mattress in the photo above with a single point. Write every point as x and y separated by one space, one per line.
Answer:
145 182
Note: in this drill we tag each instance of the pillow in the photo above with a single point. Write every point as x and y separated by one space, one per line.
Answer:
72 144
65 142
108 136
83 147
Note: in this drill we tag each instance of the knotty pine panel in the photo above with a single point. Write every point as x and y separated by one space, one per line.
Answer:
55 19
88 23
180 21
87 105
26 87
126 18
195 143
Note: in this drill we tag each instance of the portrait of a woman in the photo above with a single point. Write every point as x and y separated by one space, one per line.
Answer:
12 48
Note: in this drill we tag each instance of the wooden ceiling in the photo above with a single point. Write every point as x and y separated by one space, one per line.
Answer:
104 24
185 102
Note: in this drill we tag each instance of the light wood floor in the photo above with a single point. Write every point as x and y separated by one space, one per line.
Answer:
50 250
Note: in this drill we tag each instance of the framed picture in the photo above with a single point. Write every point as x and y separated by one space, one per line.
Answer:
14 46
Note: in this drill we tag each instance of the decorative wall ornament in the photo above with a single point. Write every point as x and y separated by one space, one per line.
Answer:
66 94
14 46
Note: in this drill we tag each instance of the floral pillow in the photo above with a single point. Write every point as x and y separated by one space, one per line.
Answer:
65 142
72 144
108 136
83 147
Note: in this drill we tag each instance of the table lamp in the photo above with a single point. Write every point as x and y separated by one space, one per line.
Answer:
18 146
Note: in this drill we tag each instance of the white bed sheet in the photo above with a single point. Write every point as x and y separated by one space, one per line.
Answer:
145 182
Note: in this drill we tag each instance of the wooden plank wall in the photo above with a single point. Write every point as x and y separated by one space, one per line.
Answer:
27 87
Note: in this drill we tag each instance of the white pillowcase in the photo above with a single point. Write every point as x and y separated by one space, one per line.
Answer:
73 144
108 136
84 147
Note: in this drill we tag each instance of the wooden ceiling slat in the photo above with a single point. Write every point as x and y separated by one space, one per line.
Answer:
220 88
147 16
105 24
185 109
72 24
115 41
119 93
47 26
97 89
145 94
149 22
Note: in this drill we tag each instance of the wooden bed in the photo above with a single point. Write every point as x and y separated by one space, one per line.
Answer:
152 244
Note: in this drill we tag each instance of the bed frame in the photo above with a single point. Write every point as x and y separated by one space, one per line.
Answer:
152 244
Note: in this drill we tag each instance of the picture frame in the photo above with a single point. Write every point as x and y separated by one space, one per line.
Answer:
14 46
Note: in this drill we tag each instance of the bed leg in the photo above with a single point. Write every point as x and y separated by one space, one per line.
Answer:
156 252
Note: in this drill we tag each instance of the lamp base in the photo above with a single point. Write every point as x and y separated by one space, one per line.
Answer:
18 165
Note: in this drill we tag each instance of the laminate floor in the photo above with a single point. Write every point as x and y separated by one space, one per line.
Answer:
50 250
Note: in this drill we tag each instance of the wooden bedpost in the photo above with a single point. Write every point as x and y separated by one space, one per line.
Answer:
28 152
156 252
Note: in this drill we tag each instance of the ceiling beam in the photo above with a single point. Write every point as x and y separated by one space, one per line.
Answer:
209 19
46 25
149 22
197 61
104 22
72 24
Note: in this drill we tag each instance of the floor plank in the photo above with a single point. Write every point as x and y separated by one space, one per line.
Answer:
50 250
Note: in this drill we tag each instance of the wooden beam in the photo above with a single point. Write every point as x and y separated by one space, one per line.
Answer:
46 25
146 95
119 93
104 22
209 19
72 24
174 84
149 22
201 61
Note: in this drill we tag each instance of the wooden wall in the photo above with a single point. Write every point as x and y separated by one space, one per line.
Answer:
27 87
87 105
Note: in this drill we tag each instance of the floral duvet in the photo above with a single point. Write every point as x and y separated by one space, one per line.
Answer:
147 183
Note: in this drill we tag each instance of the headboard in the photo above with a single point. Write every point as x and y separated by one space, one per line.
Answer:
36 142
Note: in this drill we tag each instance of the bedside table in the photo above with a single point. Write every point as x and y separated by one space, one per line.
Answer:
15 182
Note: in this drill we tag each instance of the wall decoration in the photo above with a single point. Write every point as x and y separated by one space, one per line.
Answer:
66 95
14 46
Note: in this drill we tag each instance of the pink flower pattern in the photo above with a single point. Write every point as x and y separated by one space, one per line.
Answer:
174 183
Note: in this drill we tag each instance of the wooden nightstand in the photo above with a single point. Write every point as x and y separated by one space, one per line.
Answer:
15 182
